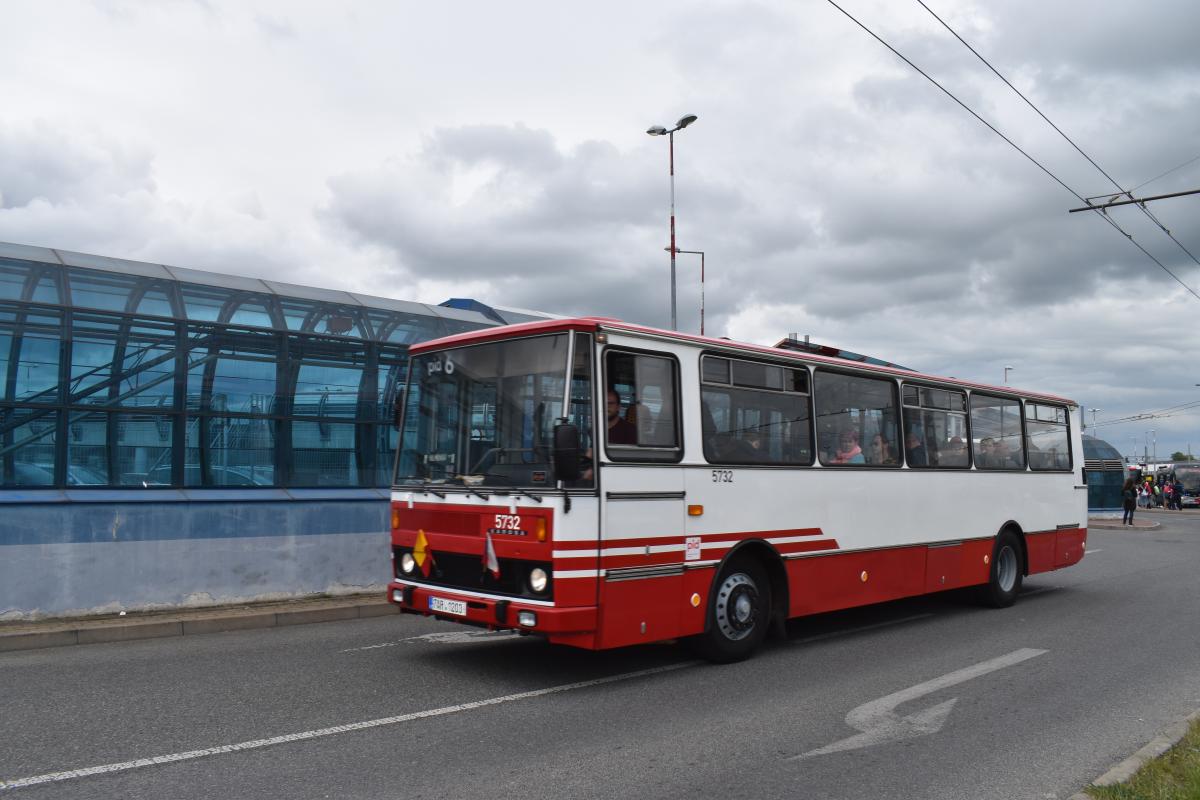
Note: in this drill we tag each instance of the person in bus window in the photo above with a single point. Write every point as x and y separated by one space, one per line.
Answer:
881 450
848 451
956 454
620 430
914 450
985 456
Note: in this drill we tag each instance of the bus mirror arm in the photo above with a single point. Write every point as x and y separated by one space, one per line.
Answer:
566 452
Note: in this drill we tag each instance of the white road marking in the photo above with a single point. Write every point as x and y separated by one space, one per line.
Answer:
448 637
1089 552
105 769
880 723
848 632
1040 590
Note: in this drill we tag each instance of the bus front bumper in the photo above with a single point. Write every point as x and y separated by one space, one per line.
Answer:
490 612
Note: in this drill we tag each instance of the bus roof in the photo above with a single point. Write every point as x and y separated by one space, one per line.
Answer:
602 324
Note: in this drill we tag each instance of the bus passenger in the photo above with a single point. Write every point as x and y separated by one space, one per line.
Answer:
620 430
848 451
881 450
956 454
986 456
915 450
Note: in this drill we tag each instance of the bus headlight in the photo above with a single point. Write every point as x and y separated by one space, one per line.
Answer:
407 563
538 580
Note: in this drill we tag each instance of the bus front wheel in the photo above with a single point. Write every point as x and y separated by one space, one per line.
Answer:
1004 577
739 612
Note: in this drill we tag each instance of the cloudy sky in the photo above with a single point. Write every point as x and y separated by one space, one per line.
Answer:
498 151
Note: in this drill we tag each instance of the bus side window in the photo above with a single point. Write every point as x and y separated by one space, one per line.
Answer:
1046 437
646 422
996 432
850 411
754 412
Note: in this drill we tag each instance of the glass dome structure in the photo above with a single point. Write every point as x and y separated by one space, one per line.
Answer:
126 374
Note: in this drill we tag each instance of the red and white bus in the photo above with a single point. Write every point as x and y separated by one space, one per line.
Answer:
606 484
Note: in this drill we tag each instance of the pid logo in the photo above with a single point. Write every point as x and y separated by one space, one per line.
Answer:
445 367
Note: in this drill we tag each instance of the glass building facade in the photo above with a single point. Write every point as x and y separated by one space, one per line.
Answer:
1106 474
126 374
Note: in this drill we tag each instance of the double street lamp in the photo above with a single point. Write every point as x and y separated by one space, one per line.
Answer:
659 130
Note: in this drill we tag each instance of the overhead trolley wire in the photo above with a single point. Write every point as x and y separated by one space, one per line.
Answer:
1111 179
1012 144
1169 411
1165 174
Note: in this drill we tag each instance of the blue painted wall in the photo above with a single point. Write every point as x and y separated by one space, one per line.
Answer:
66 555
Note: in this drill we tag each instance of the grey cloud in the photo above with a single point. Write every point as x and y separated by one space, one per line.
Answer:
514 147
41 162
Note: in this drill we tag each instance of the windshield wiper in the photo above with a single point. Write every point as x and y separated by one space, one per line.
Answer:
425 488
518 492
482 497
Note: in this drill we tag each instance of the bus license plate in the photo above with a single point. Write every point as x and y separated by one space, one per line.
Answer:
457 607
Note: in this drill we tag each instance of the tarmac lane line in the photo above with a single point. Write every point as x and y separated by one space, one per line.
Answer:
254 744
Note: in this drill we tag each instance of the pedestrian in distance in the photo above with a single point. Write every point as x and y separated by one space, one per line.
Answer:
1129 501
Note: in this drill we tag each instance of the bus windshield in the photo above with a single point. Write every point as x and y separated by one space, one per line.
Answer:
484 415
1190 478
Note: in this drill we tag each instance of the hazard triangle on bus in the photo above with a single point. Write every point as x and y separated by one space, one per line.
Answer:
422 554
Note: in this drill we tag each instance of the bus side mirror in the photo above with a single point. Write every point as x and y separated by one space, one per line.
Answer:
566 452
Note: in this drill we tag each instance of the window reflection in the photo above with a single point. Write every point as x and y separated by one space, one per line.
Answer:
27 438
37 368
103 290
323 454
87 450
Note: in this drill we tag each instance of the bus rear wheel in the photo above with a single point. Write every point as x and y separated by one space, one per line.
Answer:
739 612
1004 577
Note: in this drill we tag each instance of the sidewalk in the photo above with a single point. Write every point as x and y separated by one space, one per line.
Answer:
1113 523
23 635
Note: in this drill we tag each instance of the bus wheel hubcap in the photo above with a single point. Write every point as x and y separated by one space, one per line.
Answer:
737 606
1006 569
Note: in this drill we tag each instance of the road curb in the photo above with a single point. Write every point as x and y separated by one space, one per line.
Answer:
1117 526
1126 769
201 621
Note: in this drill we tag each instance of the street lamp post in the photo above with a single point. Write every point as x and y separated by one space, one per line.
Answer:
701 254
1006 371
659 130
1094 412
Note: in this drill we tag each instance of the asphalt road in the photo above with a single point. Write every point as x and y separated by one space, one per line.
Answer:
1027 702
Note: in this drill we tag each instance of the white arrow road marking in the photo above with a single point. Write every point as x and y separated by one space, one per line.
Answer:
880 723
